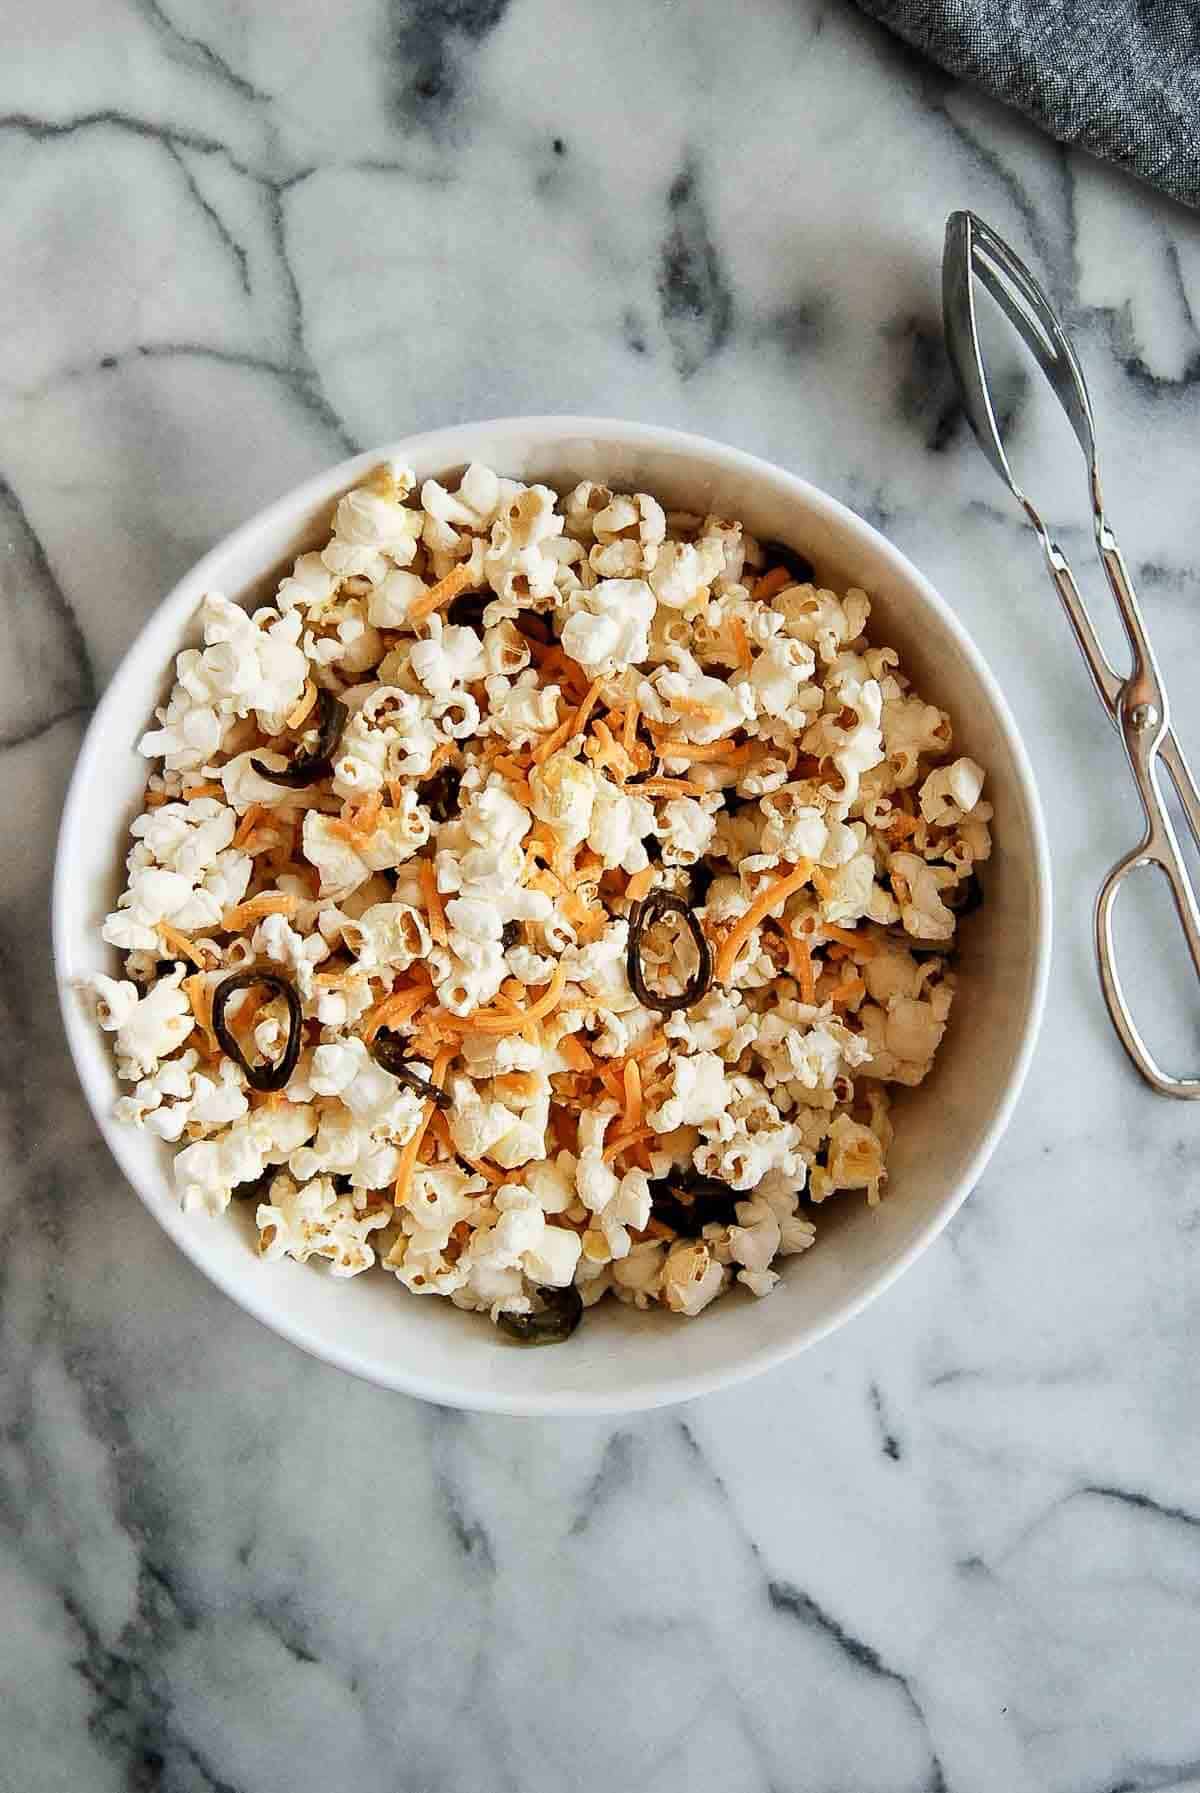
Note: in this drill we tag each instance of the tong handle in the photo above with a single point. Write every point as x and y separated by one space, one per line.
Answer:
1172 757
1166 860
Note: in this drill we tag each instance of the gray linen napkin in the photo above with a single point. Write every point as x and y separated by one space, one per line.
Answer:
1119 77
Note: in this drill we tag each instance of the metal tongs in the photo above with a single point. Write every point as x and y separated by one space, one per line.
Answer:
1137 703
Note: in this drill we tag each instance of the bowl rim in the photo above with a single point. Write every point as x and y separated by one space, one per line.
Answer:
452 445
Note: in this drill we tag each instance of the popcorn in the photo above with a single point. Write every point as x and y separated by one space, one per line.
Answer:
469 909
849 890
745 1157
244 786
608 629
691 1276
686 829
552 1261
950 792
903 1036
388 936
176 1096
618 827
310 587
564 792
580 507
371 530
182 872
699 708
848 734
506 654
449 658
823 619
912 728
699 1093
207 1172
311 1220
781 679
516 564
684 571
473 507
798 1046
396 836
628 532
918 889
274 939
149 1027
243 667
342 1146
755 1240
855 1157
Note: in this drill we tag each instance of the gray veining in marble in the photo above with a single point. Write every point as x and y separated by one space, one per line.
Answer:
956 1549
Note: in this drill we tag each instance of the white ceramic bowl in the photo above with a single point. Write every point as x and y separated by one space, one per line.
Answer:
945 1131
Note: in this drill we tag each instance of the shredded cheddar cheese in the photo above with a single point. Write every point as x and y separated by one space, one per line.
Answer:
626 1140
270 902
399 1006
493 1022
435 914
772 583
409 1152
768 899
304 707
440 594
633 1095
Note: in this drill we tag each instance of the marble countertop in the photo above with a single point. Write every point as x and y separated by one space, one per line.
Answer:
956 1547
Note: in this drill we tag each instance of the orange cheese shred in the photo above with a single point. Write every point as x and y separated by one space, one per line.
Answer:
576 1054
270 902
772 583
672 787
766 900
358 823
493 1021
400 1005
433 902
633 1095
178 943
723 750
741 641
801 960
847 991
199 995
557 738
860 945
489 1172
695 706
625 1140
409 1153
307 700
446 589
522 1086
249 822
574 724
